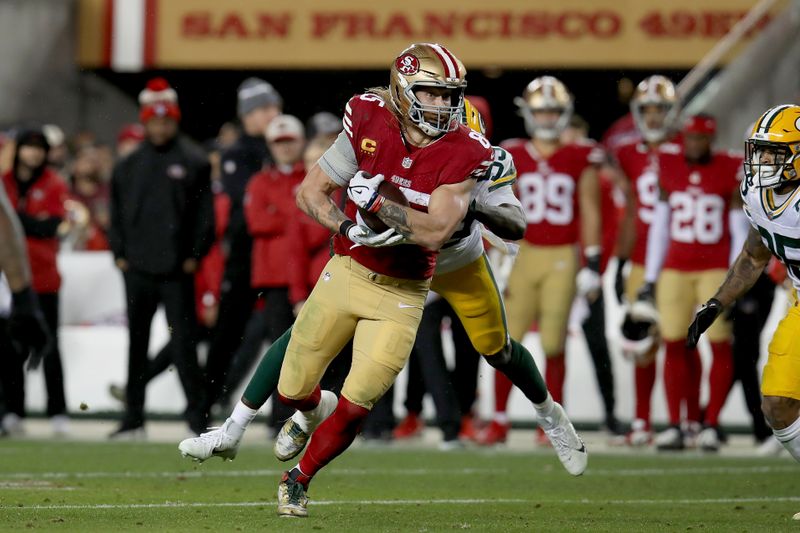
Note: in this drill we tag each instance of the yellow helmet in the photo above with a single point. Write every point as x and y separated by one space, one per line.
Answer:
776 133
660 91
428 65
470 116
545 93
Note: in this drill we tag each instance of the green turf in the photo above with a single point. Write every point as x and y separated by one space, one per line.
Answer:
61 487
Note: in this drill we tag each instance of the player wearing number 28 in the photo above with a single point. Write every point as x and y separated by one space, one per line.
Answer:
696 223
771 194
559 191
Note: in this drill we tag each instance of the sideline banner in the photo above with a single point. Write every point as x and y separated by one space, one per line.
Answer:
241 34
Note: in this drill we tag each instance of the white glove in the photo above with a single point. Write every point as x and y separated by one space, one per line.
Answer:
363 191
364 236
588 283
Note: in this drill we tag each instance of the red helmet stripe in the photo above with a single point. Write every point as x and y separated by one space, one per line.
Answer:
448 60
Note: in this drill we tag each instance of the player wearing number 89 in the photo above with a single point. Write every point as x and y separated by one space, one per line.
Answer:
771 194
696 224
559 191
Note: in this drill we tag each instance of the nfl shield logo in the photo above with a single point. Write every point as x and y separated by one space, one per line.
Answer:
407 162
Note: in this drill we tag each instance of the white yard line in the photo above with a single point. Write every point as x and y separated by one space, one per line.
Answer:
466 501
623 472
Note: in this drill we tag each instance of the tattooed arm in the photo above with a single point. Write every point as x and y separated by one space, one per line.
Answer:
13 255
447 207
314 199
745 270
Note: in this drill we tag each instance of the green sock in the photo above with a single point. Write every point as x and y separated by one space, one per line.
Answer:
523 372
265 380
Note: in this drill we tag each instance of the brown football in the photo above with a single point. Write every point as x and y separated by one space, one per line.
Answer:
390 191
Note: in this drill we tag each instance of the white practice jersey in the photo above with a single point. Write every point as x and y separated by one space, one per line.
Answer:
495 188
778 222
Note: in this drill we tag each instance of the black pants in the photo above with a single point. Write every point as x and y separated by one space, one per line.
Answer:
235 309
268 324
144 293
453 393
161 361
749 316
594 328
13 373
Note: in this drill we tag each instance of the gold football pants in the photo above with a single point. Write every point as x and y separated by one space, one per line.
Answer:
472 292
541 288
380 313
679 293
782 372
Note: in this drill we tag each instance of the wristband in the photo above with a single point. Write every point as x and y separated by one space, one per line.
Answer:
376 203
344 226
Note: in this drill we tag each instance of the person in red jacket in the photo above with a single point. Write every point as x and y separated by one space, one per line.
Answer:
38 194
279 262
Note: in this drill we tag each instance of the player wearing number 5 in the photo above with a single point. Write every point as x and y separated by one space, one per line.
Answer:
771 193
696 224
559 191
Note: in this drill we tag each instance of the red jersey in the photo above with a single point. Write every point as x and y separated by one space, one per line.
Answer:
548 188
699 198
640 165
43 199
611 208
269 205
208 278
380 148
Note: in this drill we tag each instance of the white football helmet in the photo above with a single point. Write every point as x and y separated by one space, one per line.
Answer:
640 332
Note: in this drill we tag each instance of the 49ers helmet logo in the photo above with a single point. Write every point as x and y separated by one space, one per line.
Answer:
407 64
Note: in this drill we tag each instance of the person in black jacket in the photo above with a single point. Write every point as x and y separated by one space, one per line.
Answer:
162 224
258 104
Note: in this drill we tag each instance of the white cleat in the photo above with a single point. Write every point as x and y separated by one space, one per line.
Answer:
771 447
215 443
568 445
670 439
708 440
639 435
296 431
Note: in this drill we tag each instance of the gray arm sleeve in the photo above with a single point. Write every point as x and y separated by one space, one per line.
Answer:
339 161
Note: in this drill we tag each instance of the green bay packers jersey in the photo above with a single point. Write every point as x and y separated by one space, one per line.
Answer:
494 188
777 219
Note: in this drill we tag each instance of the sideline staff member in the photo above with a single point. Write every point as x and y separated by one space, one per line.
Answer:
162 224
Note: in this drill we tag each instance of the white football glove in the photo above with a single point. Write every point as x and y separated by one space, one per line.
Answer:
364 236
363 191
588 283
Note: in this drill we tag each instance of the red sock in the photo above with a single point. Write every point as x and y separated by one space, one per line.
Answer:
303 404
645 377
333 436
502 390
554 374
691 394
720 379
674 378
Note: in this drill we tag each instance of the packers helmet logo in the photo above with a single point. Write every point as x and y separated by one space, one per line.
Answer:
407 64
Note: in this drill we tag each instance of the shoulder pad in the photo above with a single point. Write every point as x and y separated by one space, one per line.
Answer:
502 170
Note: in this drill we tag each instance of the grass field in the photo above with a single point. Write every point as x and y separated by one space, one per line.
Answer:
71 486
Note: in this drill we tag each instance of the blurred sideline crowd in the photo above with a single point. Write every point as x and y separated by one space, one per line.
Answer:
226 252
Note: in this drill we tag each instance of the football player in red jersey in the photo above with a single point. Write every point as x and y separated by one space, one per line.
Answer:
373 292
697 224
654 108
558 187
